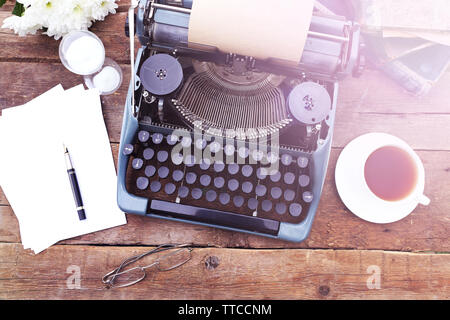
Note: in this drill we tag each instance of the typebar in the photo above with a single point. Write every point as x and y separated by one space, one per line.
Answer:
209 216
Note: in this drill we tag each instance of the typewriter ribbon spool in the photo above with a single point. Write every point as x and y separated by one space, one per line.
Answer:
309 103
161 74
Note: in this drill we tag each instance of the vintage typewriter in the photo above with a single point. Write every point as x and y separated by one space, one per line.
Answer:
271 123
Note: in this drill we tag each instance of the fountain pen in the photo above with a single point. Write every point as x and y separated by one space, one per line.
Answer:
74 184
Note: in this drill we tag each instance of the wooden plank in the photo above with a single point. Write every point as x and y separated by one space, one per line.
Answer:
426 229
236 274
41 48
423 130
420 131
33 79
374 93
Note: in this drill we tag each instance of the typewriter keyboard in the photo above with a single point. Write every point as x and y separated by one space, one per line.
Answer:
156 172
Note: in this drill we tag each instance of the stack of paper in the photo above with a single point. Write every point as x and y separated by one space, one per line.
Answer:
33 173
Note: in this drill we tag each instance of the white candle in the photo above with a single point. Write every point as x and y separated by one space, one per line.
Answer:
107 80
85 55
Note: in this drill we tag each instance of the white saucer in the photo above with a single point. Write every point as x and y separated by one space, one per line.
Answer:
353 190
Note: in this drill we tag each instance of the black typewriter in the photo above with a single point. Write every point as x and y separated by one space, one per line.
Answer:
224 140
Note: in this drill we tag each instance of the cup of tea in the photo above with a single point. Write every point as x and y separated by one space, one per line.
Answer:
380 178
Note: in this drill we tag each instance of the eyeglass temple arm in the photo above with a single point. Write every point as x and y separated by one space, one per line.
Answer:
164 247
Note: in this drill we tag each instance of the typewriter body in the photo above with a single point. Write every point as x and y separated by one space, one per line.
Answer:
265 127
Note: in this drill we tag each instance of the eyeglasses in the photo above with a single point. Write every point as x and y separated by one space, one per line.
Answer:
119 277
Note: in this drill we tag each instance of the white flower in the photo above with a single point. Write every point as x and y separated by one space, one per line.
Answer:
22 26
59 16
101 8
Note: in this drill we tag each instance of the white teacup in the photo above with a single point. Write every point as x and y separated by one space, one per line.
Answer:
354 190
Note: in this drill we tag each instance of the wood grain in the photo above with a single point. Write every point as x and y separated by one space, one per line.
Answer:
424 131
426 229
331 264
237 274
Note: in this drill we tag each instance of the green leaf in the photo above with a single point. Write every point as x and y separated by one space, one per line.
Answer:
2 2
18 9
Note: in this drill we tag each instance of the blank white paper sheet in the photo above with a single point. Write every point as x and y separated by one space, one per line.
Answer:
33 173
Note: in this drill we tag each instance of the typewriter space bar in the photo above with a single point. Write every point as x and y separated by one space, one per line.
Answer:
214 217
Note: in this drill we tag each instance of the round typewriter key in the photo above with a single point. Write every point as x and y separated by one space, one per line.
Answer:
219 166
190 161
224 198
162 156
142 183
137 164
183 192
260 190
275 176
149 153
233 185
257 155
266 205
286 159
247 170
289 178
196 193
205 180
219 182
186 142
211 195
261 173
170 188
163 172
155 186
272 157
243 152
308 196
276 193
128 149
191 177
238 201
229 150
177 159
205 164
200 144
150 171
303 180
215 147
233 168
295 209
280 208
289 195
172 139
177 175
157 138
302 162
143 136
252 204
247 187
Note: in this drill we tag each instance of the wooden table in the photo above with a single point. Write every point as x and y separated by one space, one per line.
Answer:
335 262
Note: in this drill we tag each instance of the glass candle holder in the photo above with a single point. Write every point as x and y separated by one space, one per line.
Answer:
107 80
83 53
